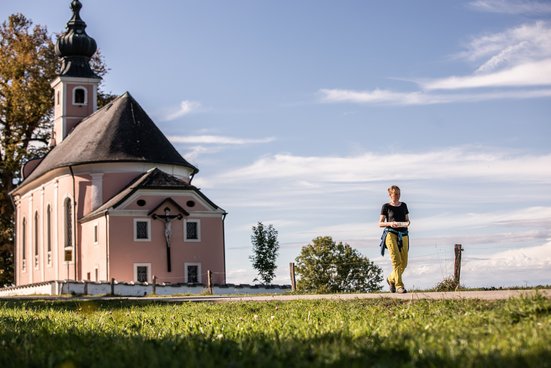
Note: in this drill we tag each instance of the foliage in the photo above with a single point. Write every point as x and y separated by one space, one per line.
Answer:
327 267
353 333
27 66
448 284
265 250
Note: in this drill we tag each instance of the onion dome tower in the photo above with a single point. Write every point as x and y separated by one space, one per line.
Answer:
75 89
75 47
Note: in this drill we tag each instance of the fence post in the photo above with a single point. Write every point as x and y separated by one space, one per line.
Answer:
457 266
209 281
154 285
293 280
113 286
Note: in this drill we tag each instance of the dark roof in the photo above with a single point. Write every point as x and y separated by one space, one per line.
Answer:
153 179
119 132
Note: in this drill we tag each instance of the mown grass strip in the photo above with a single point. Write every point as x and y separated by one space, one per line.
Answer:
353 333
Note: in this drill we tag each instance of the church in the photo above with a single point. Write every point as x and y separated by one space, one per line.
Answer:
112 198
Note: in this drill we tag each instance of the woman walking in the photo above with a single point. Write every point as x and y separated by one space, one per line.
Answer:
395 219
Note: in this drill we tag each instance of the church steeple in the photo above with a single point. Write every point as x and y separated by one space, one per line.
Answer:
75 47
76 87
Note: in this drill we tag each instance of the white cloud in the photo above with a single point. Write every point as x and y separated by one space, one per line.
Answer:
513 64
186 107
512 6
385 97
217 139
369 167
528 74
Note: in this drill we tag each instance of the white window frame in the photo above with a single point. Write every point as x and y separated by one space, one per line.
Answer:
148 265
198 222
75 95
136 220
199 278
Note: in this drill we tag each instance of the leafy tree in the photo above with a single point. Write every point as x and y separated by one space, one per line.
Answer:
265 248
27 66
328 267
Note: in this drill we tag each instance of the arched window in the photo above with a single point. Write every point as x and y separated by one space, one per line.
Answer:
36 233
36 239
79 96
24 239
49 228
68 223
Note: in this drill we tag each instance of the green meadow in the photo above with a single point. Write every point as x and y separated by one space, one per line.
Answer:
353 333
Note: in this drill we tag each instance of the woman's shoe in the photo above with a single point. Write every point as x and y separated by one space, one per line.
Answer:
391 286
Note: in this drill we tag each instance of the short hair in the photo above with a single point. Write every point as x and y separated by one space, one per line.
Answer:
393 188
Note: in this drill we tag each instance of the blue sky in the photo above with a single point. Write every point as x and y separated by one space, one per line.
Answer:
301 113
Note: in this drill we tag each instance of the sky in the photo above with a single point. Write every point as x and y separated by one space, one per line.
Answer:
301 114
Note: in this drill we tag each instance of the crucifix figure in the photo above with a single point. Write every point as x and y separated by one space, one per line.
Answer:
167 218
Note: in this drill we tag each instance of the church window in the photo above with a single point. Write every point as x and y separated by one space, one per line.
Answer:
141 272
142 230
24 242
79 96
193 273
68 223
95 234
141 202
36 239
49 228
192 230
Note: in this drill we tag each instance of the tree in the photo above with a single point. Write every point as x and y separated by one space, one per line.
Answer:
265 250
328 267
27 66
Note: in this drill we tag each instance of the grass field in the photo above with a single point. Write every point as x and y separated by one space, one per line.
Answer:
355 333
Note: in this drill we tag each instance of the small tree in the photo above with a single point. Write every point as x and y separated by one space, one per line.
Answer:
327 267
265 250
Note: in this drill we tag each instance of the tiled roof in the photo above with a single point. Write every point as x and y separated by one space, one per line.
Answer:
119 132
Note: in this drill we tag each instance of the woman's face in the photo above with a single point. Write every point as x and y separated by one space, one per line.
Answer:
395 196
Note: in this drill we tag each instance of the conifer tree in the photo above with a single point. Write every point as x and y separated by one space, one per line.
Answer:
265 251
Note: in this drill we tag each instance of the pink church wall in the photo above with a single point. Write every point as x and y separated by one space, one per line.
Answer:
125 252
115 252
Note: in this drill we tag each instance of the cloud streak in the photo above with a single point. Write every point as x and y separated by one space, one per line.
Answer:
218 139
512 6
514 64
186 107
369 167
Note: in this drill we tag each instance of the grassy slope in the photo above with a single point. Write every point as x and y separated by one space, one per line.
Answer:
385 333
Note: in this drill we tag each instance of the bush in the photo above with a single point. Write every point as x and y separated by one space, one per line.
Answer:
448 284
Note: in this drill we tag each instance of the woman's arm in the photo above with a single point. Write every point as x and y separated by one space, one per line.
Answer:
382 221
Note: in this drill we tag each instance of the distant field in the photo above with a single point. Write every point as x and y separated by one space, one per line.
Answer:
352 333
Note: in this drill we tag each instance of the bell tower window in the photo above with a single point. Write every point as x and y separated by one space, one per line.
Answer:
79 96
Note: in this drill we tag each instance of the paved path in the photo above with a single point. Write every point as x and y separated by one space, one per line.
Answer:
482 295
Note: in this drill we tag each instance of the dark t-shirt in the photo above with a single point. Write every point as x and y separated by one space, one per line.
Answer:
395 213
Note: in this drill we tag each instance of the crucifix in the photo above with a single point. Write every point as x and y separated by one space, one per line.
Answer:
167 218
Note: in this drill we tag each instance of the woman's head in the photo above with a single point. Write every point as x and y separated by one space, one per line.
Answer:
394 192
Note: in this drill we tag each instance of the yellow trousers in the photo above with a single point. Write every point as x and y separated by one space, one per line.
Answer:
398 258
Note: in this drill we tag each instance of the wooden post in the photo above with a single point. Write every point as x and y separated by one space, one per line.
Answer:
154 285
293 280
113 286
209 281
457 267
